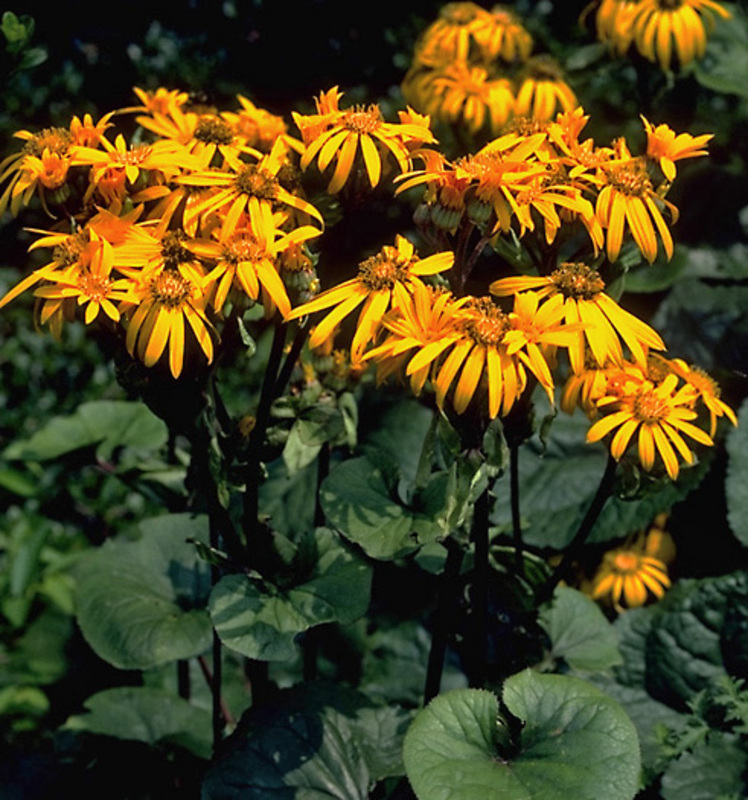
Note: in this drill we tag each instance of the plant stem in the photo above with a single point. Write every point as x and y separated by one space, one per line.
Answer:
442 619
514 502
257 538
480 590
604 491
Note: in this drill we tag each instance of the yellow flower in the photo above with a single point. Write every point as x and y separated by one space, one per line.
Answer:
579 289
504 36
343 135
451 35
584 388
476 351
116 169
660 27
249 259
160 101
613 23
160 304
542 90
374 287
423 320
40 167
252 187
628 574
535 331
665 148
88 281
707 390
467 94
660 415
628 201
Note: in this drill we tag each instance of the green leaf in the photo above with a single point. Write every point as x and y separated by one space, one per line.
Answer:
313 742
579 632
143 603
575 742
143 714
647 715
684 646
360 499
724 67
558 480
712 770
736 480
106 423
262 622
699 320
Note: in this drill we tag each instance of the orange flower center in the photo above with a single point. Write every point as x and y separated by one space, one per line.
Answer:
703 383
626 563
383 270
669 5
649 407
95 287
257 182
488 325
135 156
243 247
170 288
577 280
630 179
458 13
363 120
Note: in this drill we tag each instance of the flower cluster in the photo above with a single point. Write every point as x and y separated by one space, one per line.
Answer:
475 69
663 31
199 218
546 176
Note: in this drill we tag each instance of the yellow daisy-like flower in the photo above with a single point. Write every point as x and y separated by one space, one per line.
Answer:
536 331
504 36
467 94
660 415
665 147
629 575
163 303
584 388
451 35
480 356
88 281
345 135
579 289
160 101
374 287
116 168
543 90
662 28
249 259
627 200
613 23
40 167
424 321
247 187
707 390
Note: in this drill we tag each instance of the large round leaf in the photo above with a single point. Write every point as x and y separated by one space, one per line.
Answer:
261 621
574 742
360 499
143 603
